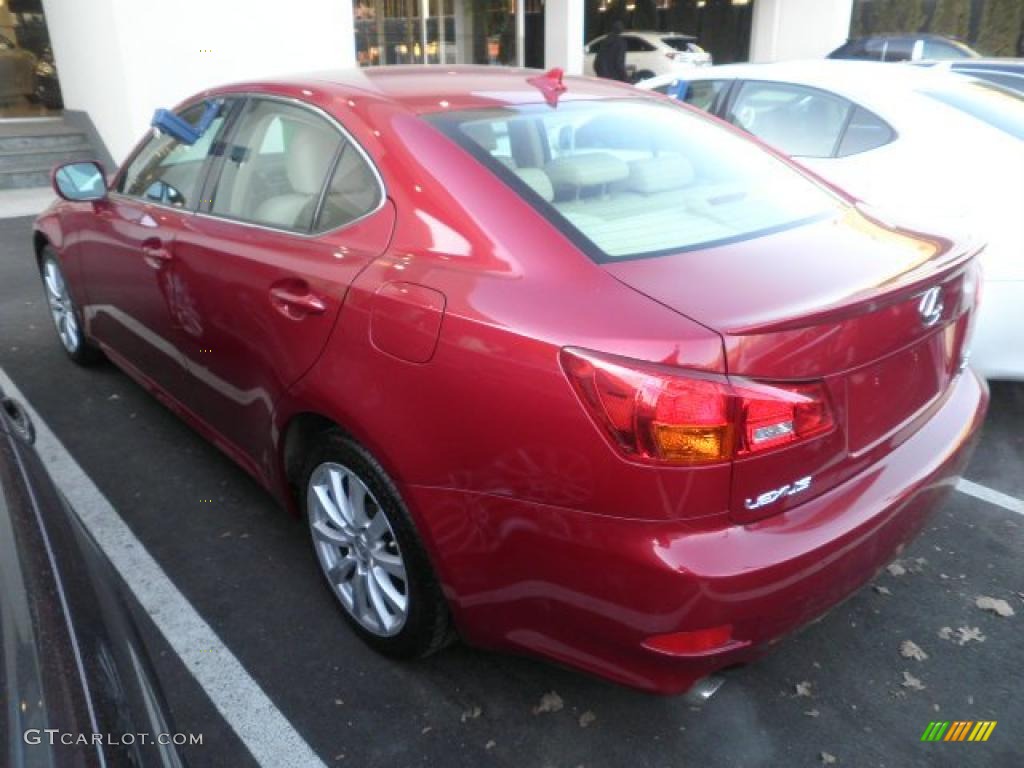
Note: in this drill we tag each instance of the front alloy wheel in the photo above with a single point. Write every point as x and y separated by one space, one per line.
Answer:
61 307
64 313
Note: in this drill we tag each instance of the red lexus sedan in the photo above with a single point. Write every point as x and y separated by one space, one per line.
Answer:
571 369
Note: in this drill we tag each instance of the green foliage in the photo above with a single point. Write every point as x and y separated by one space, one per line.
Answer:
898 16
1001 24
952 18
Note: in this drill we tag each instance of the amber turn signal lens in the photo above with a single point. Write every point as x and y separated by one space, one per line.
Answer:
693 444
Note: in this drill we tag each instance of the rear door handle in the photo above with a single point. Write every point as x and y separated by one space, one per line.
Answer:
296 301
155 253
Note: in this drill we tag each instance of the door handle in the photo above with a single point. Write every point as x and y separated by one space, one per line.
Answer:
296 301
155 253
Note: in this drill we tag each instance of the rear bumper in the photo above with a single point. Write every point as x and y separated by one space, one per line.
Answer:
587 590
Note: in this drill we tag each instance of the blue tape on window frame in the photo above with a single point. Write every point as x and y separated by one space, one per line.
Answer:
170 124
677 90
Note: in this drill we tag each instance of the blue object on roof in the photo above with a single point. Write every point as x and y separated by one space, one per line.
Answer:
170 124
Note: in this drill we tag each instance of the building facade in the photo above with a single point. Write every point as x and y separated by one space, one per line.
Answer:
118 60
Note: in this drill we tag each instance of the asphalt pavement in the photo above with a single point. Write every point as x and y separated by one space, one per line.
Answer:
838 689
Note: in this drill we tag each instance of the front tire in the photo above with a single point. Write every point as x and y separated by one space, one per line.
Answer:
66 318
369 552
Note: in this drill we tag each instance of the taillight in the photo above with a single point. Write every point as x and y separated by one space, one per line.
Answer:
653 413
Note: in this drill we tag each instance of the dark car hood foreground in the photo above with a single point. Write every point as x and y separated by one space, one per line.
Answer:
70 658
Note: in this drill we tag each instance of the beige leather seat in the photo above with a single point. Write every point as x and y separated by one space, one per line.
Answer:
307 162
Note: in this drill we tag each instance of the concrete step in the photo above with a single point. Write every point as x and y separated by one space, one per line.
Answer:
22 160
43 142
36 177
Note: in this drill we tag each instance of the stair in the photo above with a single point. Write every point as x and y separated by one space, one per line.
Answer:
29 149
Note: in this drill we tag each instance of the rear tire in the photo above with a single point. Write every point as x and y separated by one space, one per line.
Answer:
67 318
369 552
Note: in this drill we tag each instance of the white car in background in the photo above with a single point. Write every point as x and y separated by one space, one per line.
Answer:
653 53
922 145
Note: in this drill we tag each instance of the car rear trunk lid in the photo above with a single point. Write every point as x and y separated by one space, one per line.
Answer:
877 314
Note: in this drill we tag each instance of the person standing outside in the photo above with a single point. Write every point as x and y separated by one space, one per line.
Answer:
610 61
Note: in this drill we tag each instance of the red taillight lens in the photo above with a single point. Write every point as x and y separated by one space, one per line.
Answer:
659 415
777 415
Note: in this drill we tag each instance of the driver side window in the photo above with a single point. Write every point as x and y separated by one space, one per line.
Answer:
167 171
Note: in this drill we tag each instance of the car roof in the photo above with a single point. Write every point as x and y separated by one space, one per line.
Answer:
907 36
421 89
854 79
649 34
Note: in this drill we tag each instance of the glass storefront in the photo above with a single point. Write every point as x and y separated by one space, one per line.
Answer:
506 32
720 26
28 74
511 32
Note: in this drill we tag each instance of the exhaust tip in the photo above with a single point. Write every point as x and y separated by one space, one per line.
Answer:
702 691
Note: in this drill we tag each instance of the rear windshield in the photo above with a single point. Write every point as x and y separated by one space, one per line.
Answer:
684 44
990 103
638 178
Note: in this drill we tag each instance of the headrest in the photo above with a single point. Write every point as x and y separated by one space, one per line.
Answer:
309 157
586 170
538 181
482 134
659 174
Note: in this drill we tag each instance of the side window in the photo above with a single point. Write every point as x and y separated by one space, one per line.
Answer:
802 122
865 132
936 49
874 49
702 93
275 169
167 171
900 49
637 45
353 192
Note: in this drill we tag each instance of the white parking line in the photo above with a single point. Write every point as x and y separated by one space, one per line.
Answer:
990 495
259 724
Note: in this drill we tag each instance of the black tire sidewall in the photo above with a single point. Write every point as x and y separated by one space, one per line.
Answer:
426 623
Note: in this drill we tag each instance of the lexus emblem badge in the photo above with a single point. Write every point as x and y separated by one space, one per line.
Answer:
931 306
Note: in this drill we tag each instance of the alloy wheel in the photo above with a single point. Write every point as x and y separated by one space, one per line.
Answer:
357 549
61 306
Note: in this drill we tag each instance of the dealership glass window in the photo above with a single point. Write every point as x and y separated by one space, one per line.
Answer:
802 122
274 171
168 171
29 86
506 32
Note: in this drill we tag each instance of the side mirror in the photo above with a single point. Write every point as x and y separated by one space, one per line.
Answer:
80 182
